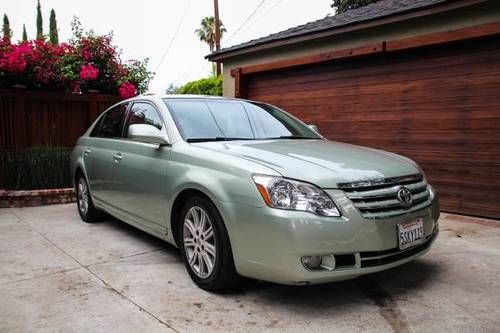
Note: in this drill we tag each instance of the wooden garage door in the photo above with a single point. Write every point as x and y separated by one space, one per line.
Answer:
439 106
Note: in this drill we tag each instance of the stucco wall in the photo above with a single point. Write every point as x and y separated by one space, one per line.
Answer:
486 13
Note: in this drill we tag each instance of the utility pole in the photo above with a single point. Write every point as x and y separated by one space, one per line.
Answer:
217 33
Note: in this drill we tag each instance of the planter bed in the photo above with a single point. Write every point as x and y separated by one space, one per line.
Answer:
31 198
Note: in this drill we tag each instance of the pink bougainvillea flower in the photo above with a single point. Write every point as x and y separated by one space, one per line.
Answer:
91 61
16 58
64 48
89 72
86 54
127 90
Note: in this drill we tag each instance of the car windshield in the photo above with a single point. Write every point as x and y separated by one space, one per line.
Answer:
222 120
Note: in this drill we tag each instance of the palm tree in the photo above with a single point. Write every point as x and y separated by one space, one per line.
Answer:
206 33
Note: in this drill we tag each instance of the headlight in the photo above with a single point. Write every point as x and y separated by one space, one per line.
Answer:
289 194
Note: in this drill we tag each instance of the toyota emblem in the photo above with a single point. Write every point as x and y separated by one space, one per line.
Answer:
405 197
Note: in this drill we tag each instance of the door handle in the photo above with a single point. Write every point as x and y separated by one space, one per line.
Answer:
117 157
86 152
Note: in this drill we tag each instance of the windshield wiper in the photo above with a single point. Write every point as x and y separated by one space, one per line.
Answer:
217 138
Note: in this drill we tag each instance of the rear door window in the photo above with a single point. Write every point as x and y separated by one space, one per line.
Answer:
112 122
97 127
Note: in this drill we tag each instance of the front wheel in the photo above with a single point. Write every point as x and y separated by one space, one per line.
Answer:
205 246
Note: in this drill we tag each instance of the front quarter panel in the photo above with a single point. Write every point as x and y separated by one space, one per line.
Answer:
77 161
221 177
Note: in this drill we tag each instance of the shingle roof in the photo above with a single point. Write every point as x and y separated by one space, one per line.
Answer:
373 11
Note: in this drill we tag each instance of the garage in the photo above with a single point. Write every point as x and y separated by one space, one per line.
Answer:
434 98
438 106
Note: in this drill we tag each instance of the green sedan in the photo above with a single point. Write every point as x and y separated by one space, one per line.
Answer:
246 189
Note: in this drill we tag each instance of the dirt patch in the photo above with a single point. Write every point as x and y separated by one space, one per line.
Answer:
388 308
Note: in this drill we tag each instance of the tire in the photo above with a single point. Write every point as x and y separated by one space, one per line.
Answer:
204 247
84 202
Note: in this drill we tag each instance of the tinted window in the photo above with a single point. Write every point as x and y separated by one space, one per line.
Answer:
143 113
112 122
97 127
228 119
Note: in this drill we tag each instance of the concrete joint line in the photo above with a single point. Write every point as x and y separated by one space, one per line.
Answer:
106 285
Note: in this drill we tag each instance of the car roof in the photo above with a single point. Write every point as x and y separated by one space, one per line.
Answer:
159 97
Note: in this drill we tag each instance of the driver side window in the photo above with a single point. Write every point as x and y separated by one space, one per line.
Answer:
144 114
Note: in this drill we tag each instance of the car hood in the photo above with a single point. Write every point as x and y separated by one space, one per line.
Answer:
321 162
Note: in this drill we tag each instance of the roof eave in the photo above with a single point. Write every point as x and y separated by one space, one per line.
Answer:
355 26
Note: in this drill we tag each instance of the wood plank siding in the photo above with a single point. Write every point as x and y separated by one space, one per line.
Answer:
438 105
47 119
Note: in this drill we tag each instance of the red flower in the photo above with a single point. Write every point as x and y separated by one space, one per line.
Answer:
86 54
64 49
91 61
89 72
127 90
16 58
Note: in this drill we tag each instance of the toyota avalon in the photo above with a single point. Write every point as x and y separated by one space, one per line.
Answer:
245 189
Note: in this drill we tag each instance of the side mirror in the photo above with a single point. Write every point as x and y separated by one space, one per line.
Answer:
314 128
146 133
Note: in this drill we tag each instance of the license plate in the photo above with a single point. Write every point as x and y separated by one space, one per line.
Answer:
411 234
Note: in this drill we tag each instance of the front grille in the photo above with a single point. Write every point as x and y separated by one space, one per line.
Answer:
378 198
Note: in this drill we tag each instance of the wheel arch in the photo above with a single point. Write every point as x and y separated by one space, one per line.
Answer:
77 173
78 168
178 204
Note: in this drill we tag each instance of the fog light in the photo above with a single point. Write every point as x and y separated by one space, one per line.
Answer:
311 262
328 262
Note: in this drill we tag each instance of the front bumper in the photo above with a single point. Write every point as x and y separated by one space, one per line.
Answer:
268 243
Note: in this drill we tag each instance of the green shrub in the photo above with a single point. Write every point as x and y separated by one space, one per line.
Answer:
35 168
208 86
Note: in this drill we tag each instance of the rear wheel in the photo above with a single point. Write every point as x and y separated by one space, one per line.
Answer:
205 246
86 207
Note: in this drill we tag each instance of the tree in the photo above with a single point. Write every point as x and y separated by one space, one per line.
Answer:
39 21
206 32
53 34
7 33
25 34
345 5
208 86
172 89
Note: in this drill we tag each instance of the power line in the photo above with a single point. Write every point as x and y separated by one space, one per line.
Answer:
267 12
247 19
174 36
260 18
264 14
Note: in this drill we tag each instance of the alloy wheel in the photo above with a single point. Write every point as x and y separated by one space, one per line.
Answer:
199 242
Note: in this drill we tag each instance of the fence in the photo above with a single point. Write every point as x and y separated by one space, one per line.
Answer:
47 119
37 130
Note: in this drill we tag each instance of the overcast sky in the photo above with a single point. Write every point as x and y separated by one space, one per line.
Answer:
144 29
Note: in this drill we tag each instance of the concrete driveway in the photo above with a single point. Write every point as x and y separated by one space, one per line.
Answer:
59 274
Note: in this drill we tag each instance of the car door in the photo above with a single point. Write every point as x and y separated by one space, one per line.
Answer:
140 180
100 151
